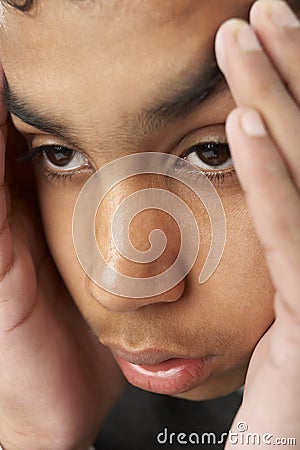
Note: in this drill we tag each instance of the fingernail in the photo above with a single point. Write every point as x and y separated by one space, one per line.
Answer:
248 40
283 16
220 51
252 124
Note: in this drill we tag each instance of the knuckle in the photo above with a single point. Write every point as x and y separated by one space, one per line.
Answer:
5 271
293 86
267 89
286 232
4 227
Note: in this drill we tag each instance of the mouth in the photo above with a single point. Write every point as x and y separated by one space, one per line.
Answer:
162 372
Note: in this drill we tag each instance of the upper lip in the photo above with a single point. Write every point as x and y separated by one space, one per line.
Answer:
146 357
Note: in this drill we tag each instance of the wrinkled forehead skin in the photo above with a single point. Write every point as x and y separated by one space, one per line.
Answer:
85 54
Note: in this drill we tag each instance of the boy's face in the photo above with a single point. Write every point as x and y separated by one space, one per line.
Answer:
95 69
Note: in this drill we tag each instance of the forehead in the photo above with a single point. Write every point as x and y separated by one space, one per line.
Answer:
107 53
101 34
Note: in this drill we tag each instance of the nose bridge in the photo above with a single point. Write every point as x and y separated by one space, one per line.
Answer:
139 240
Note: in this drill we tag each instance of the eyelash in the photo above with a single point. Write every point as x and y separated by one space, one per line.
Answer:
219 177
37 153
216 176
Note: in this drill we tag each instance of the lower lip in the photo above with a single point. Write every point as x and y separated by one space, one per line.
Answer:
170 377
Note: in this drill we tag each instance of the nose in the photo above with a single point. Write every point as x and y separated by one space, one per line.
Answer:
142 244
116 303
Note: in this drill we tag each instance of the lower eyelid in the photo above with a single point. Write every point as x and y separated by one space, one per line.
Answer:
37 155
62 176
224 178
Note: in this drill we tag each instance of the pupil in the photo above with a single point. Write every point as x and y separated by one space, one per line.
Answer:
60 156
214 154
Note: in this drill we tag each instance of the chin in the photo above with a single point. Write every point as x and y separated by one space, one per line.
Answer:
216 386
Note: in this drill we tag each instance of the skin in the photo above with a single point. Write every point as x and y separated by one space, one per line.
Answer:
226 316
223 320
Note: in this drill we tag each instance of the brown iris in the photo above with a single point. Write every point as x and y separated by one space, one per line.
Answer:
60 156
211 153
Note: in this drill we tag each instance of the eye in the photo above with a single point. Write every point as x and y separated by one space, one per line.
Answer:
56 161
64 159
209 156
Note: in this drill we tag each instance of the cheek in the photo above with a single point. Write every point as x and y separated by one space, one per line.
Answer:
229 312
235 306
240 291
57 204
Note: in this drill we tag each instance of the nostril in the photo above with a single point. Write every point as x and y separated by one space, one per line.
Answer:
116 303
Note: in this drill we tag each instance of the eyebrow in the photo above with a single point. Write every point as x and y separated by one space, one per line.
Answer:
32 116
184 95
177 100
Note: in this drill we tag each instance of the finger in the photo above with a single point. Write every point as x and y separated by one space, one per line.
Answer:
14 304
272 199
3 111
5 234
254 82
6 246
278 29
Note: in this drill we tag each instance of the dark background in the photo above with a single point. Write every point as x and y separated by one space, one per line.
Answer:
140 416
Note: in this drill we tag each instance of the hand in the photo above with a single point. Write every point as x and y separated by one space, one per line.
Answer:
56 381
261 63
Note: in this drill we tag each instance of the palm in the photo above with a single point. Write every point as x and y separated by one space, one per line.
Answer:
272 388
